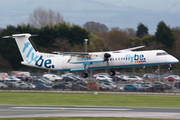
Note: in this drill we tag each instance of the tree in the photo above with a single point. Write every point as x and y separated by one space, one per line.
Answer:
95 26
164 35
142 30
117 40
41 18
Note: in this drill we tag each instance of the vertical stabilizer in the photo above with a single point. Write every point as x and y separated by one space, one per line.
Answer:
28 52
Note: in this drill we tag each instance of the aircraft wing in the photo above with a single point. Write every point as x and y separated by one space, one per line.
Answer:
128 50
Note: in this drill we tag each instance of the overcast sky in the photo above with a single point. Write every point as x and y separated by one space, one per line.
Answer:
112 13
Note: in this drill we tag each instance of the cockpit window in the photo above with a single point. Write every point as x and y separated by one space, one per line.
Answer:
164 53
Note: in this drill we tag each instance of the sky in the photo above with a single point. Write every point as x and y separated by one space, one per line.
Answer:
112 13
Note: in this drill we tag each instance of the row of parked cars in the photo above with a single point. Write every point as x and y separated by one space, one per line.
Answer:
74 82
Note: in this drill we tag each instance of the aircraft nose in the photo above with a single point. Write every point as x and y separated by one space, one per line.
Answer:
175 60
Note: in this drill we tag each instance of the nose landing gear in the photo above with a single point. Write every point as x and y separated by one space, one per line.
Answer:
170 67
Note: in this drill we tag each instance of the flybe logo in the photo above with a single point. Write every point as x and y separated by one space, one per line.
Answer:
40 62
136 58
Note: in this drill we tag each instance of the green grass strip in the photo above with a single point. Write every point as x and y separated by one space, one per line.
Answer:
48 98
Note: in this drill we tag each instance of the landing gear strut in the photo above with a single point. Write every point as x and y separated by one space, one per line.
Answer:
85 74
170 67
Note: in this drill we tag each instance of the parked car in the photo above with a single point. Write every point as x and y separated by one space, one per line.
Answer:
102 87
38 81
53 77
31 86
3 86
12 78
68 84
177 85
59 86
173 78
157 87
78 87
69 79
103 77
95 75
168 87
114 86
23 86
84 83
146 87
12 84
130 88
67 74
108 87
43 86
134 78
123 77
148 83
158 82
1 80
115 78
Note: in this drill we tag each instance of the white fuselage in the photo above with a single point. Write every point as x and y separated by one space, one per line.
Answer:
117 60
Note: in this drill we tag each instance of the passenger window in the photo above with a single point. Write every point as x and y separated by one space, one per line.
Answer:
158 54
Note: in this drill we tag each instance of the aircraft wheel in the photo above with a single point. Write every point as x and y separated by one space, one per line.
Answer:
84 75
112 73
170 68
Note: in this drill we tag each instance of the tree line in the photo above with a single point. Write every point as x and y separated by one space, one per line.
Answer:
55 34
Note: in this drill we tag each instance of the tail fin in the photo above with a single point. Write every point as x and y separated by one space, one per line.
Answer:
28 52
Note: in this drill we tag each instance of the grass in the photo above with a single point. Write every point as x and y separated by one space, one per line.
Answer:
81 118
48 98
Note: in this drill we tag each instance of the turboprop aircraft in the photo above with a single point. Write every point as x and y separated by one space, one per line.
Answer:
74 61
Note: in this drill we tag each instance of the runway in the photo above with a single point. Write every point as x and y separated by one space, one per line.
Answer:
14 111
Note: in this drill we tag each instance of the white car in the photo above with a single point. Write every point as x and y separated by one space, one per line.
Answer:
95 75
53 77
111 84
103 77
134 78
12 78
108 87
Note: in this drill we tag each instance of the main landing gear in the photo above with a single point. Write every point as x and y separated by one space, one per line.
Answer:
85 74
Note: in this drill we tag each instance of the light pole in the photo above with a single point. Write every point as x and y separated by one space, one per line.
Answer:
86 44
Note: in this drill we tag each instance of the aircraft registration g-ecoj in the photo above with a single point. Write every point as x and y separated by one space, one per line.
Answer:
74 61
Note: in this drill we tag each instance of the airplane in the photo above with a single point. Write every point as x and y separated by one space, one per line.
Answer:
74 61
